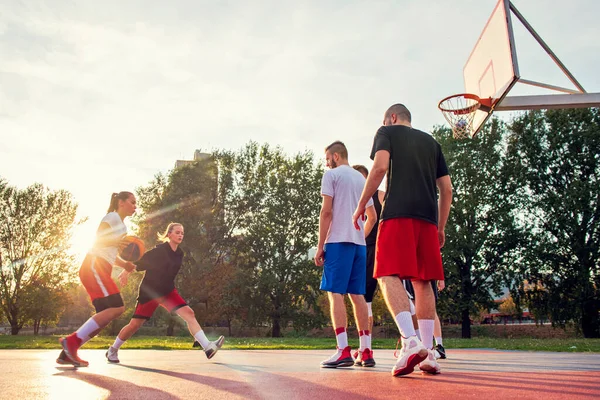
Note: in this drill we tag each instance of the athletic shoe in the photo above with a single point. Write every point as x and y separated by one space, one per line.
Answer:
213 347
358 358
411 354
367 359
70 345
64 359
429 365
112 355
342 358
440 352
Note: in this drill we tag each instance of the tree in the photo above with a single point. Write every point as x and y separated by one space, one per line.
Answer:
270 202
482 238
35 229
45 301
555 158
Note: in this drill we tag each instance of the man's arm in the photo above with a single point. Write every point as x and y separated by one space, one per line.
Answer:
325 217
380 167
444 185
371 219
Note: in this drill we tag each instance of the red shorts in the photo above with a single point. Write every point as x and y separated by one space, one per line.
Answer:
95 274
171 302
408 248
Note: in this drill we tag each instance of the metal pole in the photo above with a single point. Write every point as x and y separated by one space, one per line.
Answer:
545 47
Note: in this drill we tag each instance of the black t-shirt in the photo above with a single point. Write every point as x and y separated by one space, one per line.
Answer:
416 162
372 238
162 265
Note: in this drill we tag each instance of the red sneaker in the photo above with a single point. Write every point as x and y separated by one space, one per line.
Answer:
367 359
342 358
70 345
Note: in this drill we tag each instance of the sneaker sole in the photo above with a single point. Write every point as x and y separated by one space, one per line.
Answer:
368 363
63 343
339 364
430 371
412 362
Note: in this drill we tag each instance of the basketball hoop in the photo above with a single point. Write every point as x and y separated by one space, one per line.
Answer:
459 110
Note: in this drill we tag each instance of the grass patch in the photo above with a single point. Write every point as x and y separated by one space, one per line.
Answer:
289 343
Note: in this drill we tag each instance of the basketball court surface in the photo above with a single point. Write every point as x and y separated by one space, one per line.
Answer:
295 374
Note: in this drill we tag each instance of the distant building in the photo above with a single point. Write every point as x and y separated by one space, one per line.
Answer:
198 155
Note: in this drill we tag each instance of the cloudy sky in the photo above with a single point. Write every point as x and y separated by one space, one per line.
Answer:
97 97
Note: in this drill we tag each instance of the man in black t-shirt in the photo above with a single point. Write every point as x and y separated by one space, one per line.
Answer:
411 232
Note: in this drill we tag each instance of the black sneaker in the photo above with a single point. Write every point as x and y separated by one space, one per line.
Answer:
441 351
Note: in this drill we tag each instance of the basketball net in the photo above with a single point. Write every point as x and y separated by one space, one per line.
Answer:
459 110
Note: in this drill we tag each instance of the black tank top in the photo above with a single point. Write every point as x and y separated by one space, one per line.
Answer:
372 238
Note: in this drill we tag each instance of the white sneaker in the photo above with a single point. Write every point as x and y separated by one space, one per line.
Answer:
213 347
112 355
430 365
411 354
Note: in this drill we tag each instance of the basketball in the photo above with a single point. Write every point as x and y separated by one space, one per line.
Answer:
134 250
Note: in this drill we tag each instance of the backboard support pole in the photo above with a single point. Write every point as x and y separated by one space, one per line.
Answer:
539 39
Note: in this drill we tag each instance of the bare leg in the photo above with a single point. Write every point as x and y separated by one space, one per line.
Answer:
338 310
188 315
361 314
131 328
394 294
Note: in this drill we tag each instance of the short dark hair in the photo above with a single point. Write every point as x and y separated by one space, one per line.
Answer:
362 169
400 111
338 147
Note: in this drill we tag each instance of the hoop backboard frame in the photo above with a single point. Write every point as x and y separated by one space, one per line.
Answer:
492 70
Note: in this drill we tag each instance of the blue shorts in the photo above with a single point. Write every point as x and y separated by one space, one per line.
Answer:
345 268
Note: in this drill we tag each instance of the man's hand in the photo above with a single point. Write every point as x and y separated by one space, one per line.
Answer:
359 213
441 237
320 257
123 277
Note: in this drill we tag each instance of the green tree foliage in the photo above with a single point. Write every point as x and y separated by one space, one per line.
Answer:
35 229
555 158
270 204
481 235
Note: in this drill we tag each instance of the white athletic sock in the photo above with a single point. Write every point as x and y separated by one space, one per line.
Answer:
118 343
370 309
426 327
341 336
202 339
87 329
438 340
405 324
418 332
365 340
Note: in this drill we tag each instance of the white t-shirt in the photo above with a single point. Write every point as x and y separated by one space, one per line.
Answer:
345 185
116 232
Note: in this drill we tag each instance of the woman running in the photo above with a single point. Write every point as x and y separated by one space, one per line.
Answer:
95 274
158 288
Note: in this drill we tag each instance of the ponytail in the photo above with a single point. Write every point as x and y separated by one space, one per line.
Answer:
114 200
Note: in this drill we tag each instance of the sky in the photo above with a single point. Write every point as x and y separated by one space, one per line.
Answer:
98 97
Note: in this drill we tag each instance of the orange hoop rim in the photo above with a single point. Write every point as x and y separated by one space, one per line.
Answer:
483 104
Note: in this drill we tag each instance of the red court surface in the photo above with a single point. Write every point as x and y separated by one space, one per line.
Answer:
278 374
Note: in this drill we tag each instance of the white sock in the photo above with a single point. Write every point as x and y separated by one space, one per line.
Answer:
438 340
418 332
365 340
426 327
370 309
87 329
405 324
202 339
341 336
118 343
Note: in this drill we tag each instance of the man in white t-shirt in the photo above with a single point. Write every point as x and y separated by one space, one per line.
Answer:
342 252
